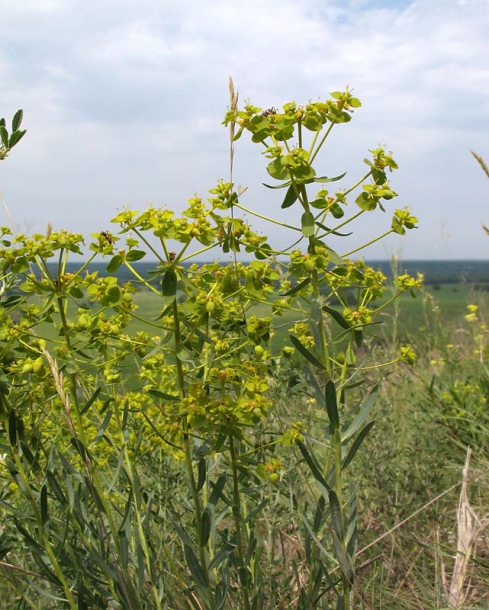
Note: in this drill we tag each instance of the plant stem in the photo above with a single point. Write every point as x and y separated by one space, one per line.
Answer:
272 220
243 570
188 458
373 241
328 131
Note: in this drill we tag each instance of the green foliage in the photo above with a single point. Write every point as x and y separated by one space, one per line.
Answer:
8 141
161 458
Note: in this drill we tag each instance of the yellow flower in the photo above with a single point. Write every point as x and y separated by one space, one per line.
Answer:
407 354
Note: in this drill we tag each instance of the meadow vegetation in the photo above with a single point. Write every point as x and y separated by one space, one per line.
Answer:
270 434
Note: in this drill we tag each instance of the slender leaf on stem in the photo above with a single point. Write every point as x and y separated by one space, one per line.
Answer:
306 353
17 120
290 196
345 564
311 462
206 526
202 472
297 288
336 515
356 444
195 568
337 317
360 419
332 407
228 548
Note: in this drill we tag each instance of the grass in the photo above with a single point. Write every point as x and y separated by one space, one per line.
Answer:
414 454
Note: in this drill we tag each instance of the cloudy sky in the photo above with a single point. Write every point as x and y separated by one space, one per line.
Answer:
124 100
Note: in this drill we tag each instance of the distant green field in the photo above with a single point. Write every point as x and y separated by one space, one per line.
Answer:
413 314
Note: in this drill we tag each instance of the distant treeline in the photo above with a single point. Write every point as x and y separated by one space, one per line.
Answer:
435 272
440 272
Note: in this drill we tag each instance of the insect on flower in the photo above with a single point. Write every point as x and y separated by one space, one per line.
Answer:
107 236
270 111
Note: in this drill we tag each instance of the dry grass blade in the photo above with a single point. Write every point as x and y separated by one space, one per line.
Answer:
401 523
469 528
58 381
7 211
481 162
233 105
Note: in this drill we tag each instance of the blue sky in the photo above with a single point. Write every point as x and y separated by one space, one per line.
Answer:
123 101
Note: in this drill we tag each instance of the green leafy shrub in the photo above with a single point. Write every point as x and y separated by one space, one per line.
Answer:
161 450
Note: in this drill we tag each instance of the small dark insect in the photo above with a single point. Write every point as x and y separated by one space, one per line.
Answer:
107 236
270 111
172 256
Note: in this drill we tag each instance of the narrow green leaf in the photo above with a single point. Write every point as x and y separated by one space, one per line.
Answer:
184 537
225 551
308 224
317 541
217 490
360 419
278 186
44 506
56 488
79 446
4 136
202 473
205 526
332 407
15 138
12 427
163 395
17 120
103 428
336 515
256 510
319 393
290 197
195 568
337 317
297 288
222 591
356 444
91 400
311 462
345 565
306 353
333 256
30 457
319 514
340 603
323 179
351 539
29 539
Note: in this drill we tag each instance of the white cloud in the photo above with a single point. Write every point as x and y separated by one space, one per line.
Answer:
124 100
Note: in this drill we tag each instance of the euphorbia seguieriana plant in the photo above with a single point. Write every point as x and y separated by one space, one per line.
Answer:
196 454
